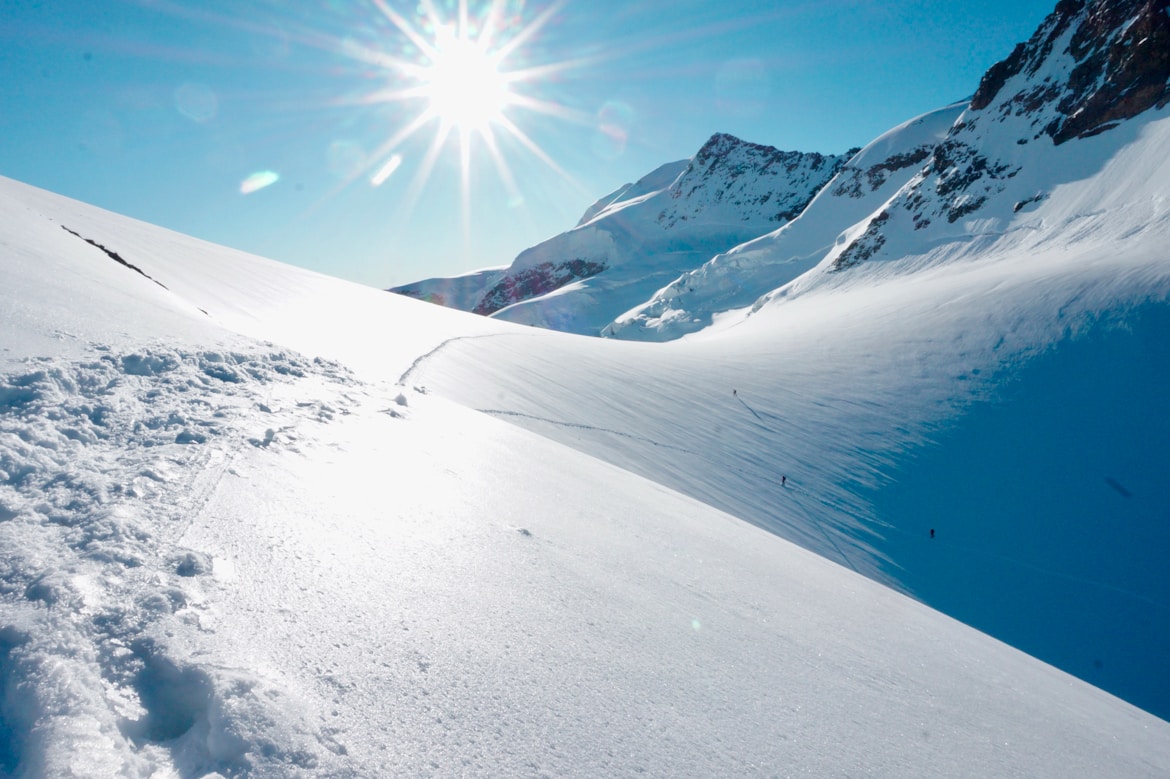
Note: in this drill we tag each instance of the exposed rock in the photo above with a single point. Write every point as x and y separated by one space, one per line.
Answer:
864 247
852 181
1121 51
1091 65
532 282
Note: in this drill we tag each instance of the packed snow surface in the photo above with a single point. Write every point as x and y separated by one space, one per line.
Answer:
245 531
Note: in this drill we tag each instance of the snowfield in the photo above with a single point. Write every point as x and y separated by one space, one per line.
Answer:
244 533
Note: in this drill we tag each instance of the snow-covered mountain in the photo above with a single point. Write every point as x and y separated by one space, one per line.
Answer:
635 240
738 277
259 522
1088 70
1058 137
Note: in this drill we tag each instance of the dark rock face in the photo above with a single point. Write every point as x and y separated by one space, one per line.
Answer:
864 247
1122 71
853 180
535 281
1122 53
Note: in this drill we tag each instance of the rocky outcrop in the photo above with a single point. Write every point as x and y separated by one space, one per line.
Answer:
1121 67
535 281
857 181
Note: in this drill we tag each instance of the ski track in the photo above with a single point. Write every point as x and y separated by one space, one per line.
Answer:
93 456
424 357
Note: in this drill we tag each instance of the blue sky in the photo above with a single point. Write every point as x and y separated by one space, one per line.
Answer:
260 124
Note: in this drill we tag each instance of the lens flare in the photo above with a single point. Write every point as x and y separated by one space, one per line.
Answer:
258 181
387 170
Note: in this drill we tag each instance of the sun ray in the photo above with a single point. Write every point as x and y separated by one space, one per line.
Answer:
540 153
419 181
465 187
405 27
558 110
456 66
501 163
530 30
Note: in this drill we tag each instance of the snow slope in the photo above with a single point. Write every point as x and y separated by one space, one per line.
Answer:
239 537
1020 276
637 239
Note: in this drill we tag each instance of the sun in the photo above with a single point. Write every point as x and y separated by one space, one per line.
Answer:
464 85
466 73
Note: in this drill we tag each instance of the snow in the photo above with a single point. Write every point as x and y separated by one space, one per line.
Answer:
845 381
255 521
736 278
246 531
644 235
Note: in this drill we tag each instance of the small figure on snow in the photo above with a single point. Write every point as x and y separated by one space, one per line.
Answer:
734 394
783 481
932 532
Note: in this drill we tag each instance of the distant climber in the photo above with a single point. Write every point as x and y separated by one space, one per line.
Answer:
734 394
784 483
932 532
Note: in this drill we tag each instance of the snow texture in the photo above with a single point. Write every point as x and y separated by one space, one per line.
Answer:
223 558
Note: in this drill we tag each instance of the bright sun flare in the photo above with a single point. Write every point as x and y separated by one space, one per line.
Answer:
464 85
465 74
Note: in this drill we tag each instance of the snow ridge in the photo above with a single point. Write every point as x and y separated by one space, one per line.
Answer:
738 277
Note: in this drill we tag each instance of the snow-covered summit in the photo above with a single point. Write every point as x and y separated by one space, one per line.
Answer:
1059 112
632 242
732 181
738 277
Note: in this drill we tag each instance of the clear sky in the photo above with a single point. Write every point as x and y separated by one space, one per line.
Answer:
386 141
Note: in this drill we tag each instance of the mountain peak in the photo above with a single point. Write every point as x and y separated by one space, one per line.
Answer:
1120 52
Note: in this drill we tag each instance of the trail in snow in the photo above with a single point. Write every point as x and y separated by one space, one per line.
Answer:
423 358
